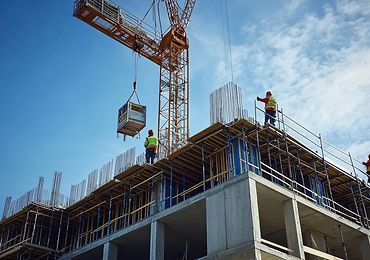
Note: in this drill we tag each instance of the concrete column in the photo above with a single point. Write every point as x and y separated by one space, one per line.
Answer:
233 217
110 251
157 237
365 247
293 228
315 240
216 223
242 216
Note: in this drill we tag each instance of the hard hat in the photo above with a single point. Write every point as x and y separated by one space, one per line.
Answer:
268 93
150 132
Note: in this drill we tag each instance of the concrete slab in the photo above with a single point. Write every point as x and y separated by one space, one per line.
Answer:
314 218
244 251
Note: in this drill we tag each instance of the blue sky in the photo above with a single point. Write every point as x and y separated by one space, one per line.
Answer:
61 81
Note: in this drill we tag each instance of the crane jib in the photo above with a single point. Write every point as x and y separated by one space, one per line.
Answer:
170 51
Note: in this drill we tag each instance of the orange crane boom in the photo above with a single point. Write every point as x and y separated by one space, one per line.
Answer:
170 51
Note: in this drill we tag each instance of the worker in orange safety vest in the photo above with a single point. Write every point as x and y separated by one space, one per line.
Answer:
270 107
151 144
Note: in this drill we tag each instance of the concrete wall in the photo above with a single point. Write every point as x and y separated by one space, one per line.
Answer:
233 221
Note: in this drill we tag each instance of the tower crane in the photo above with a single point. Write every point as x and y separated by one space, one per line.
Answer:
169 50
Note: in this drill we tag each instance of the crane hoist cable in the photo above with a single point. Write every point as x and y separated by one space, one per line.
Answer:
134 84
134 92
226 36
159 18
147 12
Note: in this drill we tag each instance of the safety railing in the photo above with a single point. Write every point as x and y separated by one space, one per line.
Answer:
330 154
336 156
118 15
309 194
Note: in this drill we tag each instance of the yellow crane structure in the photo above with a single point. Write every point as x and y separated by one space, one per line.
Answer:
169 50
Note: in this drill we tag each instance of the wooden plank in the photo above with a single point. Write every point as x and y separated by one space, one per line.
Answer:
206 132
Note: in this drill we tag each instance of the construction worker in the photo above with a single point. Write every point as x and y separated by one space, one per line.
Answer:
151 143
270 107
367 165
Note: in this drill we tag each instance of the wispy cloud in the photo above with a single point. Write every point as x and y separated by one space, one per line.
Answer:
318 66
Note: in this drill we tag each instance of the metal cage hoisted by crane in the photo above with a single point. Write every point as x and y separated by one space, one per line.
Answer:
131 119
131 116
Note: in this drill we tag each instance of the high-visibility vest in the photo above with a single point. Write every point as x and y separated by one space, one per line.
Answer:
151 141
271 104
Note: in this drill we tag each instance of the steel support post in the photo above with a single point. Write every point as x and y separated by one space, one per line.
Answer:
171 182
25 227
300 171
257 139
246 151
343 244
286 145
359 189
34 224
268 151
109 215
228 152
98 223
50 226
67 231
59 229
78 231
355 202
317 183
203 169
326 172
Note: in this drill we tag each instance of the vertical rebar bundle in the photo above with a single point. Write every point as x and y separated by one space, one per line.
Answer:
92 182
40 188
124 161
105 173
6 207
78 192
54 200
140 159
226 104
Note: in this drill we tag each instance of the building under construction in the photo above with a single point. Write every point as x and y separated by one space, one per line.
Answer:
235 191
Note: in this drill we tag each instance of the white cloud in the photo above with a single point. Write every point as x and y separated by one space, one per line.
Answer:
318 67
293 6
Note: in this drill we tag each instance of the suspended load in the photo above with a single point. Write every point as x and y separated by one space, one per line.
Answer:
131 116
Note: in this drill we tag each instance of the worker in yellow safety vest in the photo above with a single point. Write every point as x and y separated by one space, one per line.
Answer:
151 144
367 165
270 107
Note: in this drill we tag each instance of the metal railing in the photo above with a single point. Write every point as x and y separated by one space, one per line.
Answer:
331 155
336 156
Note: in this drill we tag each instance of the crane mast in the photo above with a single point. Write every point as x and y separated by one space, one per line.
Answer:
170 51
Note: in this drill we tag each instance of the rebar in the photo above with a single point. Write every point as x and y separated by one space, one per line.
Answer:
226 104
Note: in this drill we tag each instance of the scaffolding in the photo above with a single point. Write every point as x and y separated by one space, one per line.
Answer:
214 156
